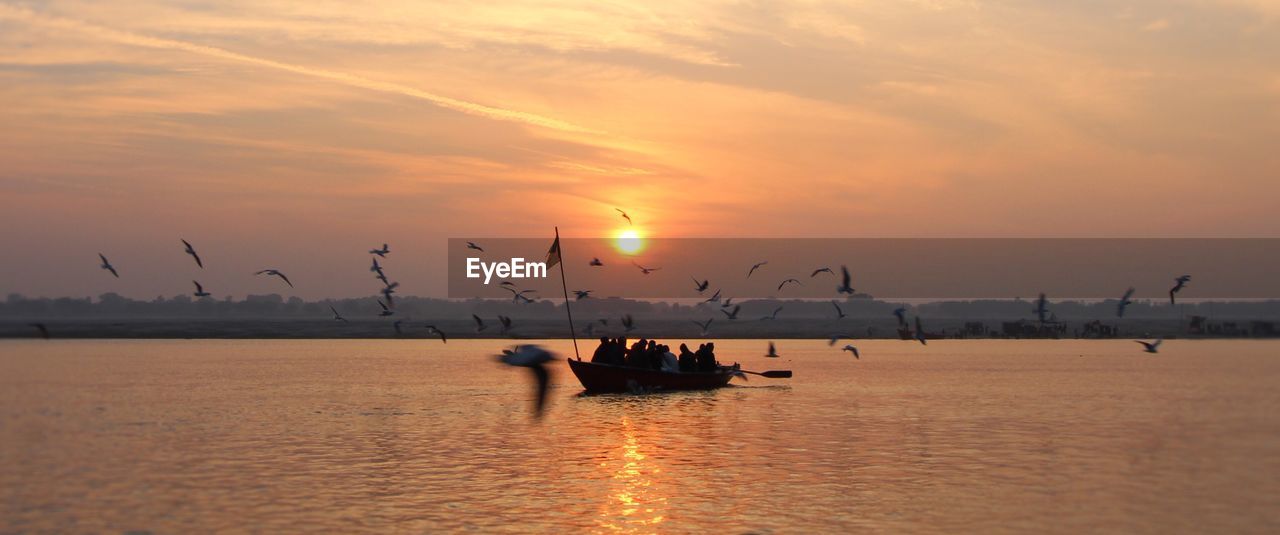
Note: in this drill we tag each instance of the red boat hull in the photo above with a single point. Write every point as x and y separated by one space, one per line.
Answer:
598 378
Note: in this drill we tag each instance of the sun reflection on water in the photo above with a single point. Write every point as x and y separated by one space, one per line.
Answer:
638 505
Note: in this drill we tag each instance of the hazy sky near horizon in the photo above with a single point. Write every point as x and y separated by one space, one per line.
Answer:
300 135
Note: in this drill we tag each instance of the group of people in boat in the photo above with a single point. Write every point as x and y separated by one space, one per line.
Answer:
648 354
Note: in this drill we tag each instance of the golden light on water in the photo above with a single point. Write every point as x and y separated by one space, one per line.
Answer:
629 242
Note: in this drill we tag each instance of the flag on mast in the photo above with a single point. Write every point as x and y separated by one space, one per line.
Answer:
553 255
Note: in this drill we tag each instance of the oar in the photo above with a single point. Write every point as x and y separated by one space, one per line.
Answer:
772 374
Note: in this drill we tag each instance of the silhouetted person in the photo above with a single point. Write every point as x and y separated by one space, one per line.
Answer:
688 361
602 351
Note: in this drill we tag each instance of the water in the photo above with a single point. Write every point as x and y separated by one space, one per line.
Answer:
414 436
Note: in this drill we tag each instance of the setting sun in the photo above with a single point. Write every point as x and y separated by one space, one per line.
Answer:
629 242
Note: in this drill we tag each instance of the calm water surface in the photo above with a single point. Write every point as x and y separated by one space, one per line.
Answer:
415 436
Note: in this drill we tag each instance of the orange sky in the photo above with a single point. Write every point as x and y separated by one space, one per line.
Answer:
298 136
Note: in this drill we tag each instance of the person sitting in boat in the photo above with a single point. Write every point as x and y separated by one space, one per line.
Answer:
601 355
688 361
636 357
669 361
653 356
706 357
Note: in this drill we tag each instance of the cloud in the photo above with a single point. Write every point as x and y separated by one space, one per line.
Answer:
463 106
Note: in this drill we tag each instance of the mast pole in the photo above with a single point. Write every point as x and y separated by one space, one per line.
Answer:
565 286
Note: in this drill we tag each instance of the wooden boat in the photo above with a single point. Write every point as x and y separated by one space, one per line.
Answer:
598 378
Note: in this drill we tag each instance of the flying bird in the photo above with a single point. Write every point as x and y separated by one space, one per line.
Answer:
784 283
714 298
773 316
628 323
336 315
472 245
733 315
532 357
44 331
192 251
276 273
387 290
836 338
508 284
839 312
200 290
376 268
1151 347
755 267
844 286
386 310
851 349
920 332
773 352
107 265
435 330
396 326
701 286
624 216
706 326
517 295
581 294
505 322
480 326
1124 302
728 302
901 313
1181 281
595 262
821 270
381 252
643 269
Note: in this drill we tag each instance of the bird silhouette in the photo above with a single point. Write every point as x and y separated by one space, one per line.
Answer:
645 270
839 312
784 283
42 329
192 251
275 273
753 269
773 316
853 350
701 286
107 265
624 216
628 322
734 314
534 358
472 245
920 332
581 294
386 310
1180 283
336 315
381 252
505 323
480 326
199 290
1124 302
826 270
706 326
595 262
845 280
436 331
901 313
1151 347
714 298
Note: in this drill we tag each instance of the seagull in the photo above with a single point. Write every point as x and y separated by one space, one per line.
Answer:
728 302
107 265
1124 302
920 332
853 350
595 262
506 324
755 267
386 311
438 332
277 273
44 331
643 269
773 352
1181 281
1042 307
628 323
472 245
624 216
773 316
200 290
1151 347
388 290
901 313
508 284
844 287
376 268
784 283
839 313
701 286
714 298
517 295
396 326
192 251
480 326
733 315
604 321
706 326
821 270
581 294
336 315
836 338
532 357
381 252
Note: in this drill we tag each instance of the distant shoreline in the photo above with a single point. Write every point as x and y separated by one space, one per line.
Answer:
267 329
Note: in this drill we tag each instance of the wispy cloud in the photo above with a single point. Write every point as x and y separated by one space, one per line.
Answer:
472 108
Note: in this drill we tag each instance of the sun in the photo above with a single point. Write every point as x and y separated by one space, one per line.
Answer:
629 242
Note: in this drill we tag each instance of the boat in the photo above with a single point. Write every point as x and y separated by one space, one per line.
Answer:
602 378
